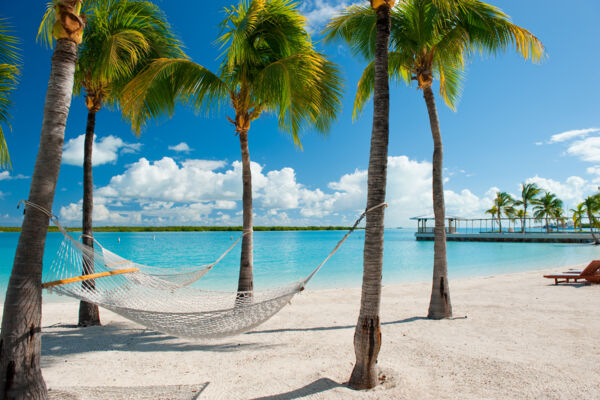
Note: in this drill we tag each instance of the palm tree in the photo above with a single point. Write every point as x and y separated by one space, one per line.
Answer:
433 38
591 206
9 73
578 214
367 336
549 206
492 212
121 38
20 343
503 204
529 192
269 65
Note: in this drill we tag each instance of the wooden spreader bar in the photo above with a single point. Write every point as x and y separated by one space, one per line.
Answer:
88 277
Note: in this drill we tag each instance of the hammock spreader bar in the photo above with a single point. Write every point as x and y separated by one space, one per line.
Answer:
88 277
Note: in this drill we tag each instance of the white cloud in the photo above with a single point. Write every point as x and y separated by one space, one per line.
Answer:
181 148
571 192
587 149
319 12
205 192
103 152
577 133
6 176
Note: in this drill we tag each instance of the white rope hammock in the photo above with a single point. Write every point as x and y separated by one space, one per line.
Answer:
160 304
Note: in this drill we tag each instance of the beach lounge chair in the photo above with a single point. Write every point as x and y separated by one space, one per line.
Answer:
591 273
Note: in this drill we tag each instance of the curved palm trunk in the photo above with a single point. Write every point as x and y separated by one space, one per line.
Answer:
367 336
246 282
88 313
499 222
523 220
439 305
20 342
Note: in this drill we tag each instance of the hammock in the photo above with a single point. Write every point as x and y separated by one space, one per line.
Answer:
177 274
160 304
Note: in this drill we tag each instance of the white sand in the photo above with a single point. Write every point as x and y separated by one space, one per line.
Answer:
521 338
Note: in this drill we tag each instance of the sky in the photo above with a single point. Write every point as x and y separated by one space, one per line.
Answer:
516 122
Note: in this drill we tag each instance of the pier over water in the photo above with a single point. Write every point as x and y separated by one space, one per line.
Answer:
508 230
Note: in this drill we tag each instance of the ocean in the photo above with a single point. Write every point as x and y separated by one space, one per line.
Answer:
285 257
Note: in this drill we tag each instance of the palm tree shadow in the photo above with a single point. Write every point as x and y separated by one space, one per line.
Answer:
332 328
70 339
318 386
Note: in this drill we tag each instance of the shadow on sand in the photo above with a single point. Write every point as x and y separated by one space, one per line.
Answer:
70 339
318 386
333 328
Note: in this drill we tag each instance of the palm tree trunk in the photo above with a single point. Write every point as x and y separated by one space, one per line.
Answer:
524 216
590 218
439 305
547 225
20 343
245 283
367 336
499 223
88 313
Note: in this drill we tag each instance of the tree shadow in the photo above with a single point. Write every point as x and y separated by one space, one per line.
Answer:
332 328
173 392
318 386
69 339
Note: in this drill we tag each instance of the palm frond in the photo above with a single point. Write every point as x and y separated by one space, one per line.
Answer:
155 91
10 61
356 25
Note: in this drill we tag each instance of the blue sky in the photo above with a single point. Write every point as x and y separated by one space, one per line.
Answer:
509 128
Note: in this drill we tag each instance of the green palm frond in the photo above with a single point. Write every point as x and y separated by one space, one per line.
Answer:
268 65
10 61
155 91
120 39
434 36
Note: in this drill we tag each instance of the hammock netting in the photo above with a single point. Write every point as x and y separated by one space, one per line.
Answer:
161 304
160 297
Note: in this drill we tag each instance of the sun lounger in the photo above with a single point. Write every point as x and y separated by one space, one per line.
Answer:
590 273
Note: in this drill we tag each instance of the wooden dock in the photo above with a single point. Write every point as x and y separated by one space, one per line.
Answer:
531 237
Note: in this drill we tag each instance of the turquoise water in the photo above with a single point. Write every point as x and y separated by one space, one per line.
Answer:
283 257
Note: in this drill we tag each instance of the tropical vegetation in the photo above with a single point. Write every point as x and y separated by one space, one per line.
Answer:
269 65
20 342
503 205
9 74
548 207
529 193
433 39
121 38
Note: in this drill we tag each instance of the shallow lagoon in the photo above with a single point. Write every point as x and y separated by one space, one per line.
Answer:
282 257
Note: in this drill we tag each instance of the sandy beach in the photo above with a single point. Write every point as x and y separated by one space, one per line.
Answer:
513 336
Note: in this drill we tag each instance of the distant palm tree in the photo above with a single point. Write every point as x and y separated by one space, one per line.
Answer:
503 204
529 192
493 212
121 38
9 74
269 65
549 206
433 39
591 207
578 214
21 321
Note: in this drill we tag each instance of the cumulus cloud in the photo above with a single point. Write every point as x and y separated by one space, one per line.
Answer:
319 12
181 148
571 192
568 135
587 149
209 193
6 176
104 151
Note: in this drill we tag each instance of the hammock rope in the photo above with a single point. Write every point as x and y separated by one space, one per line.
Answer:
163 305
